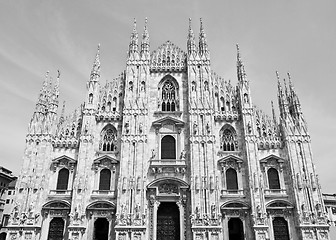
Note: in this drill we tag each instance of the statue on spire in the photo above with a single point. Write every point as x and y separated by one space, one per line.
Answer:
203 45
241 74
145 42
95 73
133 46
191 45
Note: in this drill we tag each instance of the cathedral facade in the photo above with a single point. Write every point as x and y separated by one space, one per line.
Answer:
168 150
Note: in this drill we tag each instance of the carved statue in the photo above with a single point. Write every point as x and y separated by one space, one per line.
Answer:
140 128
207 128
127 127
183 154
153 154
318 209
213 210
198 212
195 127
137 211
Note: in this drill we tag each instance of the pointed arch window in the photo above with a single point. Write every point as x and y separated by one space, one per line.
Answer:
273 179
105 179
108 141
227 140
168 147
63 179
56 229
280 229
169 98
231 180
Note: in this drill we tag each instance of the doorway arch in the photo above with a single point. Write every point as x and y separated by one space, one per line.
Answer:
56 229
168 221
236 229
101 229
280 229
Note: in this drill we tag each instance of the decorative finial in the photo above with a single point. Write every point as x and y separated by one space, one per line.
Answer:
273 112
277 75
289 76
47 74
58 73
201 25
189 23
238 52
134 25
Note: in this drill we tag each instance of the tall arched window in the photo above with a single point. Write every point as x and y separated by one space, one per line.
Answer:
63 178
105 179
280 229
231 179
273 179
56 229
108 139
227 140
168 147
168 102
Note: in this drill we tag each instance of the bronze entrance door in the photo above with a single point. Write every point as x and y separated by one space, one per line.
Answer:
168 221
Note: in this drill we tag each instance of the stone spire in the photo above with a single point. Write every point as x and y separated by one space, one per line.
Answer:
145 42
41 105
95 72
133 46
241 74
191 44
203 45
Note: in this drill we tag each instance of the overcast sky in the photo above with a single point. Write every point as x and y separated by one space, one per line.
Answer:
294 36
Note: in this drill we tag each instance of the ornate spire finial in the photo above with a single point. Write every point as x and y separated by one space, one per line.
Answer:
203 45
133 46
273 112
134 25
240 67
96 65
61 119
238 53
191 45
145 42
56 88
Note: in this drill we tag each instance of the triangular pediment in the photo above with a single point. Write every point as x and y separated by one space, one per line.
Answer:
230 157
168 119
64 158
104 158
272 157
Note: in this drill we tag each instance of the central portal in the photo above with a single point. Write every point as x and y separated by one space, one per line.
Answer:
168 221
101 229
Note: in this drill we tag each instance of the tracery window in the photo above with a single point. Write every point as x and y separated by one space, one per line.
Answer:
280 229
169 100
227 140
168 147
105 179
273 179
231 179
56 229
63 178
108 140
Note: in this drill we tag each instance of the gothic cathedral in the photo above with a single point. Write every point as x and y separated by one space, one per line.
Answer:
168 150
